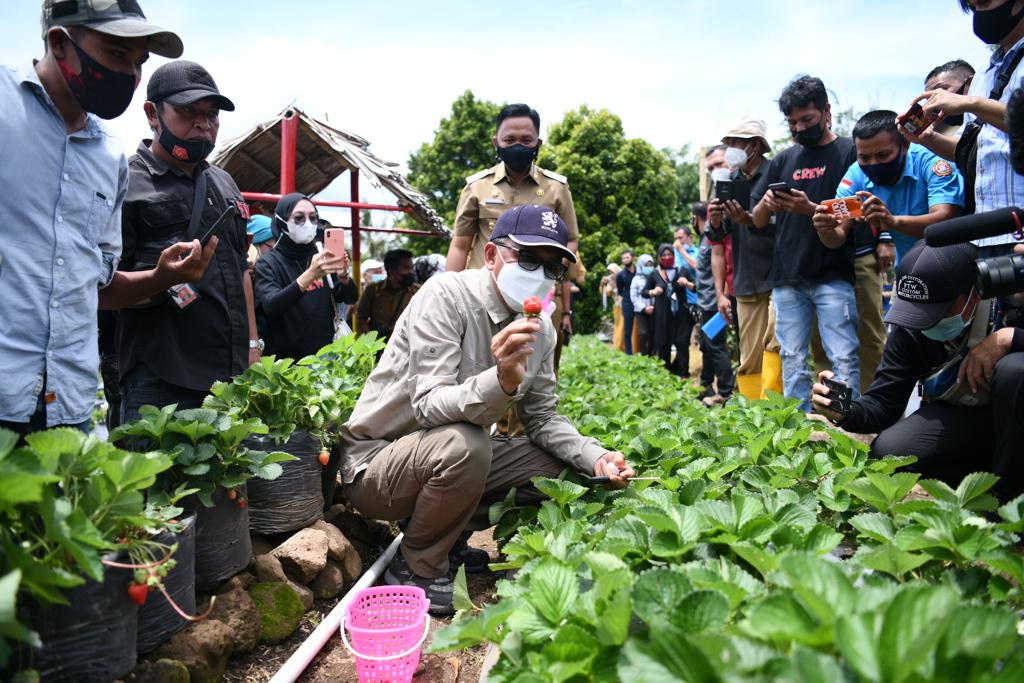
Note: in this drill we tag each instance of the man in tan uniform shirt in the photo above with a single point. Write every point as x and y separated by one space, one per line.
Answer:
417 445
515 180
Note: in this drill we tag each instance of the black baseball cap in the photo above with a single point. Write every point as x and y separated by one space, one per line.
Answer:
530 225
182 82
121 18
928 280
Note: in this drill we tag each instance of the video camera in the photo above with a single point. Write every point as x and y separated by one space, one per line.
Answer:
995 277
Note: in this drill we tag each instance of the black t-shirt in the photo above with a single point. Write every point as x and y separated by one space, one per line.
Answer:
623 279
752 249
208 340
799 257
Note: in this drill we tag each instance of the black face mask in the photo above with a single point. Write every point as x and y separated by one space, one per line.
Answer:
887 173
99 90
517 157
809 137
189 151
406 280
995 24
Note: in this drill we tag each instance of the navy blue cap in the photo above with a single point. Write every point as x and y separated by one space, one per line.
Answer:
928 280
530 225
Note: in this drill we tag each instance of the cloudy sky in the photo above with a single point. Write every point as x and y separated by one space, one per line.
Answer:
677 72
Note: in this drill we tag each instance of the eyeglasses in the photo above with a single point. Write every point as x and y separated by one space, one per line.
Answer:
529 260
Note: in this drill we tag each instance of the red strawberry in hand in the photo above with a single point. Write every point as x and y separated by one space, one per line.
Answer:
532 306
138 592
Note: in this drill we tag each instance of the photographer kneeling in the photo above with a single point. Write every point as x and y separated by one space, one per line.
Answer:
972 415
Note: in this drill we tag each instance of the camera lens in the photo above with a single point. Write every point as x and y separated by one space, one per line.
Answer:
1000 276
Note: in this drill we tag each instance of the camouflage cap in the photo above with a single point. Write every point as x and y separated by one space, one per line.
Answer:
121 18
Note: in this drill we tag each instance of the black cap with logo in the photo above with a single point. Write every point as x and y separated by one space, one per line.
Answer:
928 280
530 225
121 18
181 83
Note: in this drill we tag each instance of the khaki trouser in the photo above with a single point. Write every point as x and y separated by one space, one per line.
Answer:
754 313
444 480
870 328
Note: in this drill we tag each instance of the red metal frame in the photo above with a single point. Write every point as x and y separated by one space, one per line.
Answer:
289 153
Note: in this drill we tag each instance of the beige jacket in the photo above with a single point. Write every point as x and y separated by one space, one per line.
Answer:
438 369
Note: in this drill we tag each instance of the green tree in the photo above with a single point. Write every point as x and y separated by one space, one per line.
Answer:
460 148
687 181
625 192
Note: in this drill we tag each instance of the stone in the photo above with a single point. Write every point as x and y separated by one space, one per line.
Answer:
352 566
237 582
337 544
304 593
328 583
160 671
237 610
304 555
280 610
204 648
268 568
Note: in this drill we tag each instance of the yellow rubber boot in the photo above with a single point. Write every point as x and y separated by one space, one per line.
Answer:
771 373
750 385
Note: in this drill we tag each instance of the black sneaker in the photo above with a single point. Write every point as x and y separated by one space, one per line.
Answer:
439 591
474 560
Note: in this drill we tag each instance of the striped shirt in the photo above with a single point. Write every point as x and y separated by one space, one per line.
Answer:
996 185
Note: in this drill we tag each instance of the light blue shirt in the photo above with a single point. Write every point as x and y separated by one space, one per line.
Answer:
928 180
688 273
996 185
60 239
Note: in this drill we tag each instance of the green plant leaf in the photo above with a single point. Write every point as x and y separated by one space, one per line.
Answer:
700 611
890 559
856 637
460 598
668 656
983 631
553 589
970 492
657 594
875 525
914 622
561 491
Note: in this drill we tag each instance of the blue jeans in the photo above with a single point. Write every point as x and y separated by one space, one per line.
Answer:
836 306
627 328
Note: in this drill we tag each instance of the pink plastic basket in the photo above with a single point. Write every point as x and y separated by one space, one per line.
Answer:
388 625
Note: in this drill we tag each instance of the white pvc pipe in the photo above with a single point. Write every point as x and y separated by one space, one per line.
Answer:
309 649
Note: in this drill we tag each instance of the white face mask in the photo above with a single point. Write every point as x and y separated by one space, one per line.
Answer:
302 234
735 157
720 174
517 284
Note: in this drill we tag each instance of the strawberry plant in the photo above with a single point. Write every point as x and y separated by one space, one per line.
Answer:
316 394
67 501
768 548
207 450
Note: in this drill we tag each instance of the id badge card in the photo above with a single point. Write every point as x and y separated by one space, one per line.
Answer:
183 295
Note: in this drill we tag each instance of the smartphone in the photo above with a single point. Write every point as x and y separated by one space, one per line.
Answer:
915 120
334 241
841 395
780 188
724 190
218 225
847 207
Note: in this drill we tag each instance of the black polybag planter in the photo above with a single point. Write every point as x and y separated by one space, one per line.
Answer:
157 619
92 638
295 499
222 544
329 476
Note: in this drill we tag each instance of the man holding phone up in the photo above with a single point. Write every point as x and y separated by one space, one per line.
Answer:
182 341
751 251
903 189
807 276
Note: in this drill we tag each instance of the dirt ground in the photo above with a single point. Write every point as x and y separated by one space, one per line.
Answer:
334 664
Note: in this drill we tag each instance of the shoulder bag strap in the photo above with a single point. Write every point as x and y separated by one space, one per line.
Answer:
198 204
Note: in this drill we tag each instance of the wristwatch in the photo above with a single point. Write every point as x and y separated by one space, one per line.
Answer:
256 344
